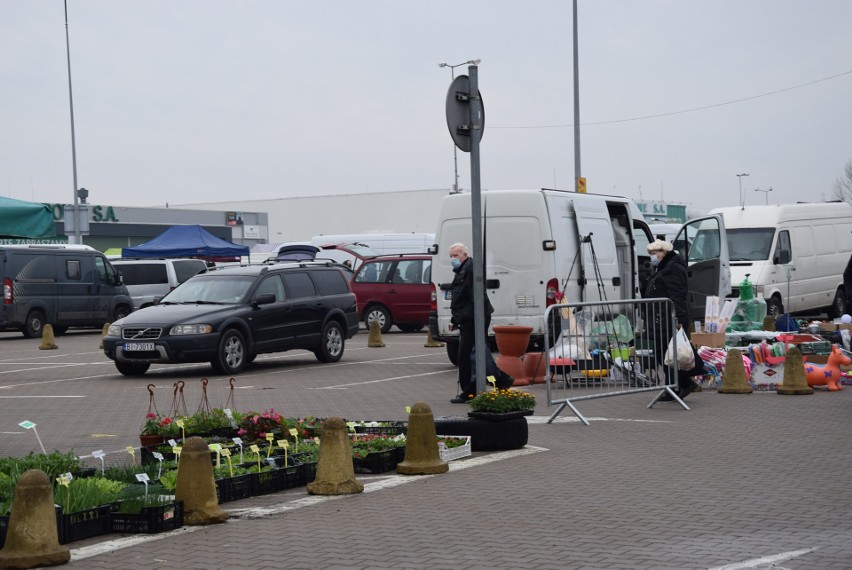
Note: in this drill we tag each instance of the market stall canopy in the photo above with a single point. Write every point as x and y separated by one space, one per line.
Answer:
20 219
186 241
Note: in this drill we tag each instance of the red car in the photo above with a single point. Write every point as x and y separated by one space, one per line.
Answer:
395 290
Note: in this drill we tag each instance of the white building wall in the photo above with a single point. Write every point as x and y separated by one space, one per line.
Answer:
302 217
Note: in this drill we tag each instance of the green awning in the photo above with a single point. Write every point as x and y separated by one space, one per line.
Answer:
20 219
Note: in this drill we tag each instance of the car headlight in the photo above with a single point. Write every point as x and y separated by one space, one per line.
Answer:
190 329
114 330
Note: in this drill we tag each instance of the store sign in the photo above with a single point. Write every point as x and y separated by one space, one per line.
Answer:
251 232
100 214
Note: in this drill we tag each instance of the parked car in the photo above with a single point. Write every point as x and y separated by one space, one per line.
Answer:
61 285
395 290
228 316
150 279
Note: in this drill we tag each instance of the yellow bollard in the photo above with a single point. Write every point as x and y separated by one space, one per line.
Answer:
335 470
47 339
734 379
431 342
103 334
375 338
421 444
795 381
195 485
32 539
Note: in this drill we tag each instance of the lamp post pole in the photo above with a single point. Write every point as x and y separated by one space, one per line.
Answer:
765 193
77 237
455 151
740 178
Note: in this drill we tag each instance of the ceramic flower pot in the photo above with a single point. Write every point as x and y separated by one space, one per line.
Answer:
512 340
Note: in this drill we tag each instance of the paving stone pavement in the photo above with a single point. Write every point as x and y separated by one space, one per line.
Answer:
738 481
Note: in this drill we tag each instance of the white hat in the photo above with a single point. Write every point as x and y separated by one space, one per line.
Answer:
659 245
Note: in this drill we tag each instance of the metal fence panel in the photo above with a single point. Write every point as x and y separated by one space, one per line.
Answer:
611 348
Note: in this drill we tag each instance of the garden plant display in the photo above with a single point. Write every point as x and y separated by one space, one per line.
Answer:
502 401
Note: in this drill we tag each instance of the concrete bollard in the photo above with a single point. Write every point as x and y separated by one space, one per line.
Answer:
421 445
195 485
32 539
103 334
768 323
795 380
335 471
734 379
375 338
47 340
431 342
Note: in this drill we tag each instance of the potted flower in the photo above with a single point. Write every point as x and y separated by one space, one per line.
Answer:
157 429
501 404
495 421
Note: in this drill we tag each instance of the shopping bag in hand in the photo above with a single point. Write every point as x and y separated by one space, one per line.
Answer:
685 356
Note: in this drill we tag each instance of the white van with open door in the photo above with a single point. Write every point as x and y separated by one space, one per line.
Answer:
543 243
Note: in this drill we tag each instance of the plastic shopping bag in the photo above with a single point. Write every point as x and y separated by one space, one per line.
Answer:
685 356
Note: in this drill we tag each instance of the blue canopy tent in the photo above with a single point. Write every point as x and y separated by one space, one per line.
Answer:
187 241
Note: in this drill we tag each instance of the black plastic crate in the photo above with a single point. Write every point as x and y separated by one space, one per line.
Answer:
84 524
377 462
307 472
151 520
274 480
233 488
393 429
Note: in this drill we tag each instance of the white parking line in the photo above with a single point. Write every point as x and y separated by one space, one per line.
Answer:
393 480
406 377
10 397
765 560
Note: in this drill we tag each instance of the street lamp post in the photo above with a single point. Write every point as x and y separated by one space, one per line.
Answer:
740 178
455 151
765 192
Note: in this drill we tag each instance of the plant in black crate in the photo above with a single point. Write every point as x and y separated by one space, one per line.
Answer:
496 420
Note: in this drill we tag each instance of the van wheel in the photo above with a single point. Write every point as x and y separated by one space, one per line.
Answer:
331 343
774 308
410 328
453 351
132 368
380 314
231 355
34 327
838 306
120 312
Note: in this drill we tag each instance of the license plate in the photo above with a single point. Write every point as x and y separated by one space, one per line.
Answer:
138 346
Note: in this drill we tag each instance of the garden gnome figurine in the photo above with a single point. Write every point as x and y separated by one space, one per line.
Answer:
795 381
335 471
421 444
195 486
32 539
734 379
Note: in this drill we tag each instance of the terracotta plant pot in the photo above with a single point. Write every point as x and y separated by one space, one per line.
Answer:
535 367
512 340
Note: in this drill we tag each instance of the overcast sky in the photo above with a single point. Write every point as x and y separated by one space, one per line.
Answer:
187 101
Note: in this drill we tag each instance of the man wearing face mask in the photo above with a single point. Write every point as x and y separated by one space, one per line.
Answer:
461 307
669 281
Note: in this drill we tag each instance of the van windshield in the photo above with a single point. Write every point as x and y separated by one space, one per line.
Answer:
210 289
749 244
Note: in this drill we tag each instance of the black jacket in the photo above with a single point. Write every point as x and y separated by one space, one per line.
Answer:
669 281
461 303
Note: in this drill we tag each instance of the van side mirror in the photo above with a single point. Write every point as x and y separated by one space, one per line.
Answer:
782 258
119 278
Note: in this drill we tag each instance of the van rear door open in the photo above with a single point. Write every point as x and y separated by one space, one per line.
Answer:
597 250
704 245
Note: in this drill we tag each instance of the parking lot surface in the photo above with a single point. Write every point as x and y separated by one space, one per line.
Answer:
738 481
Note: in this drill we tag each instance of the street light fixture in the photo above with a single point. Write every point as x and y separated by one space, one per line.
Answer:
765 192
740 178
455 151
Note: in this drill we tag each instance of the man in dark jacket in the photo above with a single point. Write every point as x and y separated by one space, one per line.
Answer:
669 282
461 307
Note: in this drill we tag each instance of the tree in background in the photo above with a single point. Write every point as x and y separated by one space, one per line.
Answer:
843 185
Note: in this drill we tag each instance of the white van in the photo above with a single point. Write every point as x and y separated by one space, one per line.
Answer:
586 246
794 254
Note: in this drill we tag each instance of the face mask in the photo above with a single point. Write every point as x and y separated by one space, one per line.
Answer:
455 262
655 261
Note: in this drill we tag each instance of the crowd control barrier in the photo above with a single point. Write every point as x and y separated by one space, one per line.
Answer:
598 350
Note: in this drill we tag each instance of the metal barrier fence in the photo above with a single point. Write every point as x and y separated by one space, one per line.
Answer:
598 350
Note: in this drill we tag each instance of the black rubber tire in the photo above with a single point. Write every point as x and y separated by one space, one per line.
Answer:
59 330
840 305
332 343
486 435
132 368
34 327
453 351
410 328
774 307
121 311
232 353
378 313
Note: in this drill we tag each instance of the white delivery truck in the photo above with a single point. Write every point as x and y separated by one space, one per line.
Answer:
585 246
794 254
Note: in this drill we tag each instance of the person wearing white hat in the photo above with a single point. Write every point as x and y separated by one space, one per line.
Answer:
669 281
